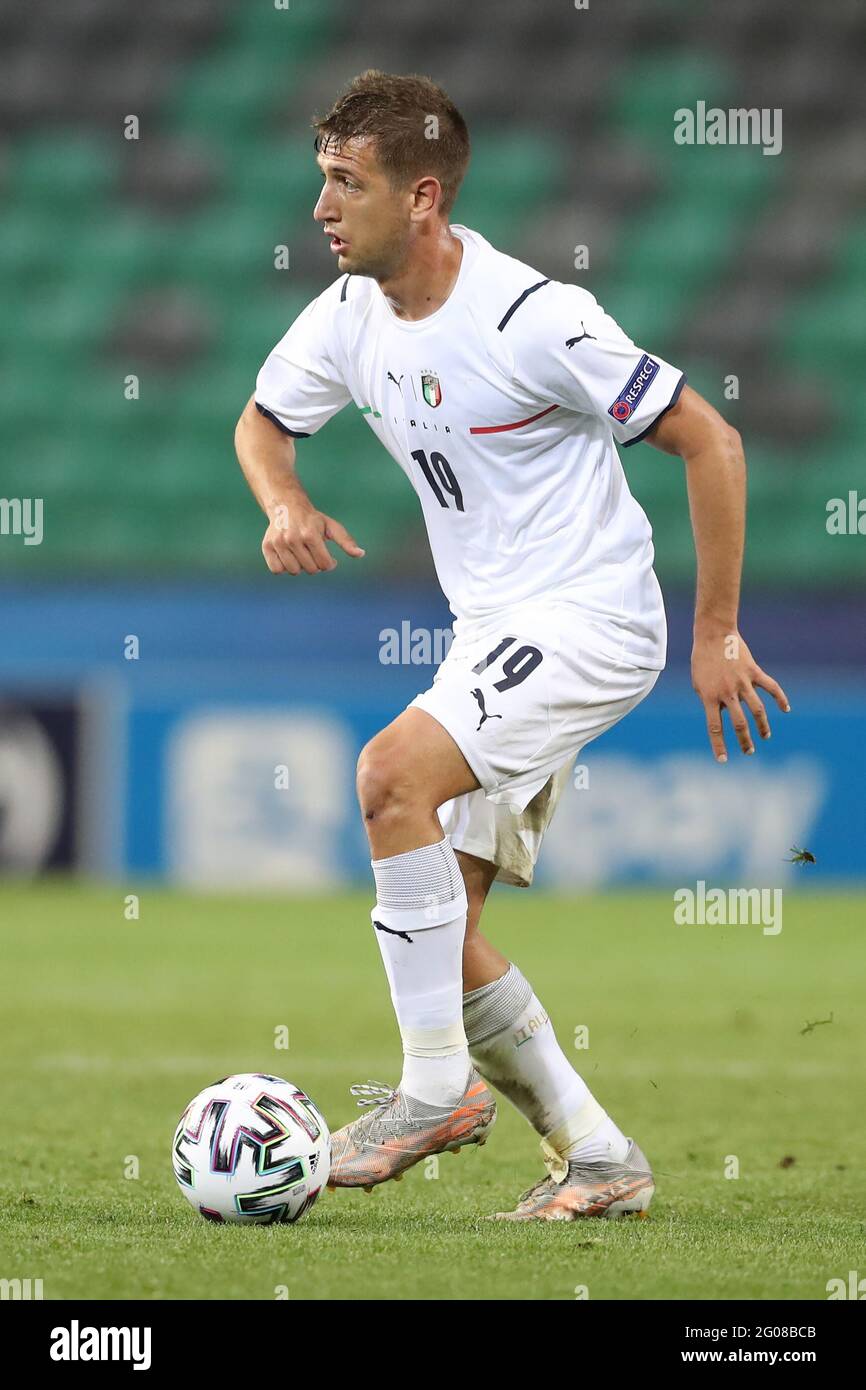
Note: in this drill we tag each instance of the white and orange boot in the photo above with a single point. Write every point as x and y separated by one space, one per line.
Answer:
399 1131
578 1188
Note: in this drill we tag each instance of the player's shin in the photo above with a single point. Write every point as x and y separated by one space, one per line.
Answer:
420 923
513 1045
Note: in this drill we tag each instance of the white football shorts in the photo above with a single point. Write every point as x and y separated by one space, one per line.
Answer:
521 693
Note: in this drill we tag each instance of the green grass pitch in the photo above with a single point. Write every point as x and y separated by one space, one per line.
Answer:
696 1047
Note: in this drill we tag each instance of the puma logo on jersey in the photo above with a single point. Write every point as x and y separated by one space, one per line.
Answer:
396 380
570 342
484 715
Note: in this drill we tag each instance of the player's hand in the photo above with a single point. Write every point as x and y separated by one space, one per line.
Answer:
295 541
726 676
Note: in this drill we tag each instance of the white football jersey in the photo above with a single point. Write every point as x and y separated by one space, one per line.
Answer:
504 409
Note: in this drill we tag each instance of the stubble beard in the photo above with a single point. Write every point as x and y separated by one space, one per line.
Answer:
387 261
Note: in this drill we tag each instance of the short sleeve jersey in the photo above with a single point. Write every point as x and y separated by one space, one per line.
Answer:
504 409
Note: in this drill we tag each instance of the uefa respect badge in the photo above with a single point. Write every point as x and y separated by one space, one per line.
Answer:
638 383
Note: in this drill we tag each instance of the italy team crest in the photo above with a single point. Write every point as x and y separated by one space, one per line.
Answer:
431 389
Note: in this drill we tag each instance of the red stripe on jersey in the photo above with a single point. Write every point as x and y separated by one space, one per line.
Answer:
497 429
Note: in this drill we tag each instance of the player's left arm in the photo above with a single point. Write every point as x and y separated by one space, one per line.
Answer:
725 675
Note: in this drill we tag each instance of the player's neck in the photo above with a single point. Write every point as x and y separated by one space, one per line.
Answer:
428 279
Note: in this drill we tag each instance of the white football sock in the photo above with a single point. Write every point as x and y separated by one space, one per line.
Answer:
513 1045
420 923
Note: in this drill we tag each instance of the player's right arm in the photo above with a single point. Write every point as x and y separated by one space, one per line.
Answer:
299 388
297 531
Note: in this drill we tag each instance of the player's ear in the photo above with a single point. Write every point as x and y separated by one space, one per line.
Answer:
427 196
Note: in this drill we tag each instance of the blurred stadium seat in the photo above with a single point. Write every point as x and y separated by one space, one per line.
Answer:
155 257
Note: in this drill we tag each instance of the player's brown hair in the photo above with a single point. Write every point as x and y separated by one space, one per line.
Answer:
397 112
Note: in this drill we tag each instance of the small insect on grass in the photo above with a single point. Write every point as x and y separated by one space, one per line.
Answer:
800 856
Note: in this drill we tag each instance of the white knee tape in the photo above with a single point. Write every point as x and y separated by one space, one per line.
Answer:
414 919
420 888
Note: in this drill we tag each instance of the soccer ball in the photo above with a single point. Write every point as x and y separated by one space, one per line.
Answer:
253 1149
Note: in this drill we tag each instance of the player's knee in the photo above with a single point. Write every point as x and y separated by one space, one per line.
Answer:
381 782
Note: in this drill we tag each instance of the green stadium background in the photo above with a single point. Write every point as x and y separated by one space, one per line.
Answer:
166 911
157 172
155 256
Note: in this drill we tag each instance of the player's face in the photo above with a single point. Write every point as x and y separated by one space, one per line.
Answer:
366 220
